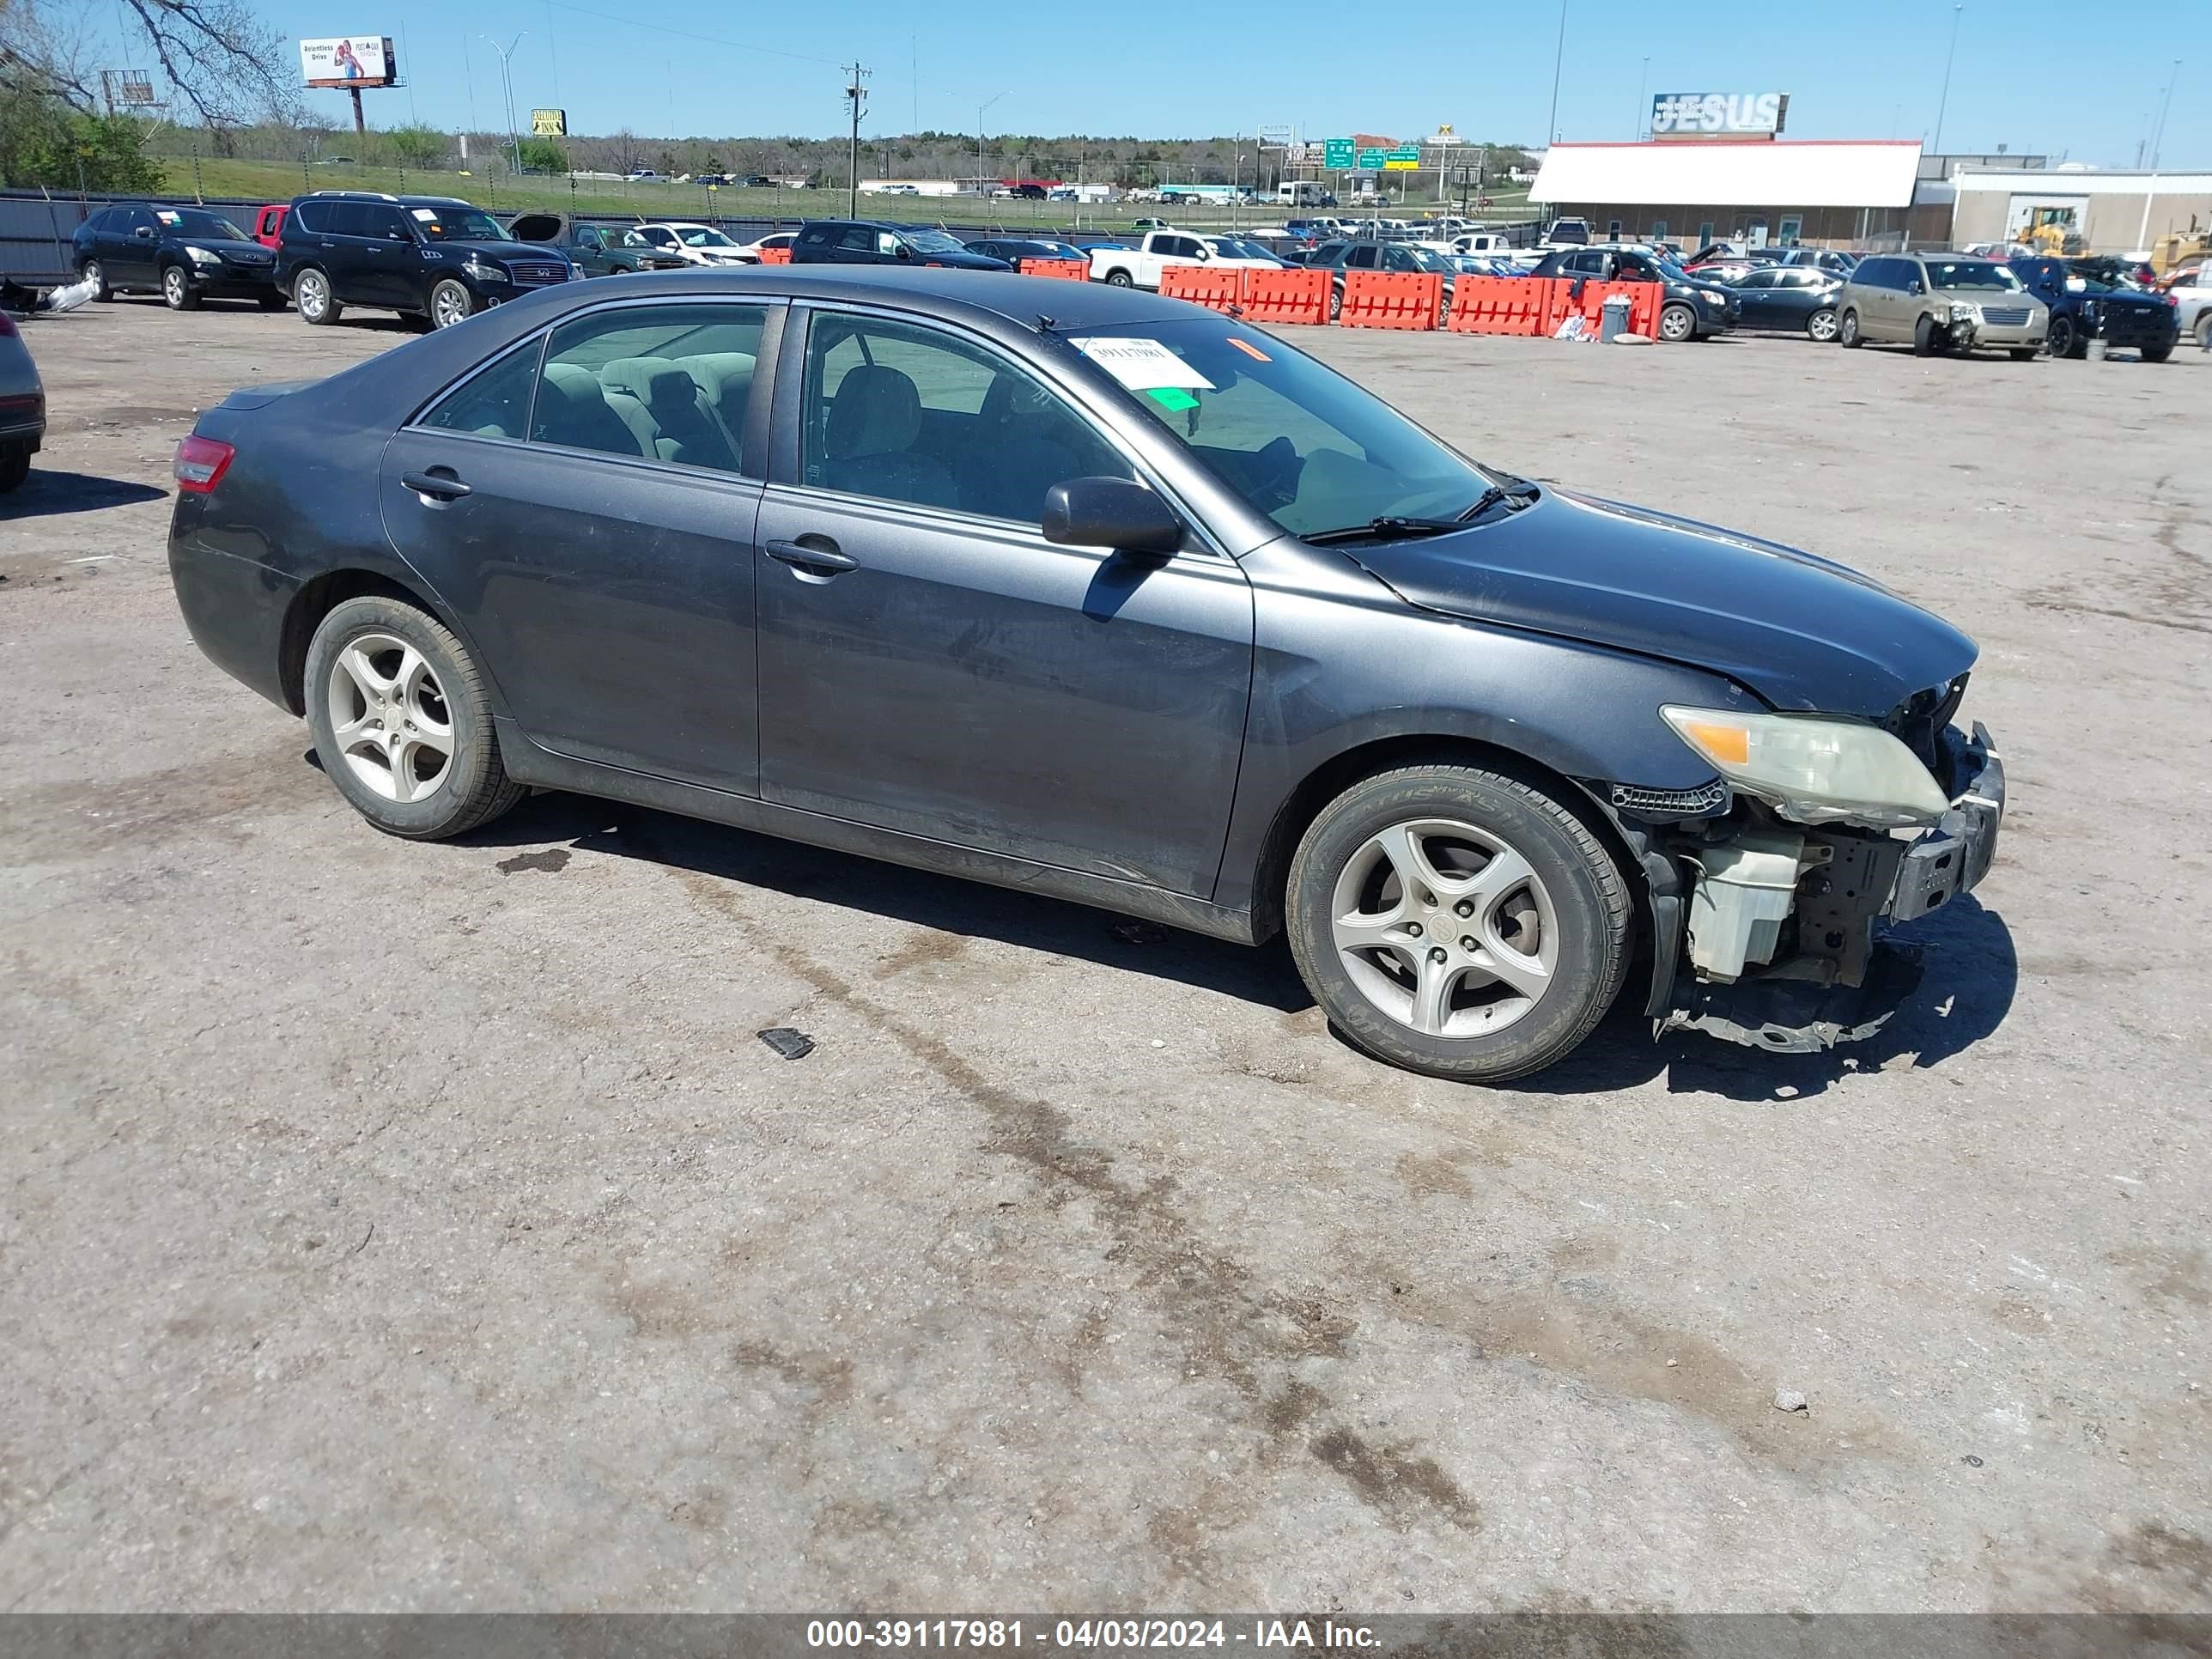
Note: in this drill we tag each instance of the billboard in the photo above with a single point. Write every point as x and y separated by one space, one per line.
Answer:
1719 114
349 60
548 124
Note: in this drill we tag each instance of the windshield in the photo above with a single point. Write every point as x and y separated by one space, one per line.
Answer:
1296 440
700 236
625 239
198 222
1425 258
935 241
1233 247
458 224
1972 274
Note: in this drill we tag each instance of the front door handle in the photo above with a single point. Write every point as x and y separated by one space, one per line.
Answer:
822 558
439 483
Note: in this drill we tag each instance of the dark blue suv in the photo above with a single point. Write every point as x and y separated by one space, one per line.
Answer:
2083 309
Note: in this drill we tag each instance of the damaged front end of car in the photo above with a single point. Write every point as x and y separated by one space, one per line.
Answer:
1773 896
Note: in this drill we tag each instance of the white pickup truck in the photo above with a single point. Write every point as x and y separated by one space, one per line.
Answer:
1140 266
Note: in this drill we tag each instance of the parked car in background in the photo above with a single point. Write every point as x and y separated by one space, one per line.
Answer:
1832 259
898 189
22 406
185 254
1719 263
596 249
2192 304
1790 300
775 239
269 223
1140 266
1339 258
1014 250
1689 309
1242 250
1940 302
1561 231
1257 655
2084 308
642 175
874 242
2114 269
695 244
424 255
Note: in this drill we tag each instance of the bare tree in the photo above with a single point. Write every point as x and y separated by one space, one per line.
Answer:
44 57
224 61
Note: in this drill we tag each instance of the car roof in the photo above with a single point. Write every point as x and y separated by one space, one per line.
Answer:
946 293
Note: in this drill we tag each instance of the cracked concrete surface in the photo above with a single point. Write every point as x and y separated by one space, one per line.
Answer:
392 1226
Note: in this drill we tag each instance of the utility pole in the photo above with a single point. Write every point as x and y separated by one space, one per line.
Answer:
507 85
856 88
1643 84
980 110
1943 103
2157 133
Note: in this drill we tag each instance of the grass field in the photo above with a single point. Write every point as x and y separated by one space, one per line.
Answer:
276 182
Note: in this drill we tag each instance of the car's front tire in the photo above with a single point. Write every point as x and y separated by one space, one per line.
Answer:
311 293
1847 330
1458 922
177 291
1677 324
1923 336
451 302
401 723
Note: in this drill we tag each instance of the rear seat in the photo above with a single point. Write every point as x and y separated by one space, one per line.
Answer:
669 411
725 379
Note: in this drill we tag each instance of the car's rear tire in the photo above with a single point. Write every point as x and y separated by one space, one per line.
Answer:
2157 354
1335 301
177 291
14 469
1677 324
310 293
401 721
1118 279
1847 330
451 302
2063 339
92 271
1822 324
1458 922
1923 336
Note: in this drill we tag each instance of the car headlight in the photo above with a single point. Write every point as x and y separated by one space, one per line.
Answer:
1813 770
1712 298
482 270
204 256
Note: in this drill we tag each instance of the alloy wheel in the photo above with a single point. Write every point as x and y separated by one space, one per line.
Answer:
1822 326
1676 323
314 295
1444 927
174 290
390 717
450 303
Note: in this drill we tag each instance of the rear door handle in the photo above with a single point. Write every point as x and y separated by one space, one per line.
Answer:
438 482
821 560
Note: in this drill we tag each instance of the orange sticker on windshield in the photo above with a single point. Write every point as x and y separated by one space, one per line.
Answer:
1250 350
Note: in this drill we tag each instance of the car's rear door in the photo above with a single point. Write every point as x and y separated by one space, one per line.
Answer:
598 543
929 664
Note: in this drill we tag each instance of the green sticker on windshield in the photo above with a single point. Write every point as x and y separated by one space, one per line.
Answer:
1170 396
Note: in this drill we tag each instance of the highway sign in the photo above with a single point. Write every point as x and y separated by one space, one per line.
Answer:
1403 157
1336 153
1372 160
1274 137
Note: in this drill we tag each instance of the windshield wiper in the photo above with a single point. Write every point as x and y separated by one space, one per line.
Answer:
1389 525
1519 493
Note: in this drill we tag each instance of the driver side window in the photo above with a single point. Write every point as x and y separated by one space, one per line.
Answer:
901 413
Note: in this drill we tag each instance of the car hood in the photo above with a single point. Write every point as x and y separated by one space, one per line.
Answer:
962 261
1800 631
501 251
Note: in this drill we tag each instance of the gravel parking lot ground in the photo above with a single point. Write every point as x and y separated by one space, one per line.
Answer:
386 1225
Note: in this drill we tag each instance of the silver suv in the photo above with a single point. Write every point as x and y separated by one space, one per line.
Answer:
1942 302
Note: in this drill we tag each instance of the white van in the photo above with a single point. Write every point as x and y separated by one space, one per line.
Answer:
1300 193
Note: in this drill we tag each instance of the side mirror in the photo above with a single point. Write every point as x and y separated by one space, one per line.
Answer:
144 233
1111 512
904 251
1912 285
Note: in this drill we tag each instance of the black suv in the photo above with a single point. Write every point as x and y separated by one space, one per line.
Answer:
185 254
1691 308
426 255
873 242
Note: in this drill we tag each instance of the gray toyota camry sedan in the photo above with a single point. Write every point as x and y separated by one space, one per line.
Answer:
1076 589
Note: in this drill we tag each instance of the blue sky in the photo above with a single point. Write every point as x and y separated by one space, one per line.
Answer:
1871 69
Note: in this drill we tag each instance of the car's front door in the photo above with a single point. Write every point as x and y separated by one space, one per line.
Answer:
137 247
1755 297
929 664
602 554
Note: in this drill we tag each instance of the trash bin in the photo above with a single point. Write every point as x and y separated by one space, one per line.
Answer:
1613 320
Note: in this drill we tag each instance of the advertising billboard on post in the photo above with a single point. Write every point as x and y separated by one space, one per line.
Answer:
349 60
1719 114
548 124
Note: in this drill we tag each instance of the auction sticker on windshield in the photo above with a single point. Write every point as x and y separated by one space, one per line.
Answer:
1142 365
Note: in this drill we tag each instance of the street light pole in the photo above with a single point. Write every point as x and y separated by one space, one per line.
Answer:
1944 103
1643 84
1558 56
855 90
506 87
2157 133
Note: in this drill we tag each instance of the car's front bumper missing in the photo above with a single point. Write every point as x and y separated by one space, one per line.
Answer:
1813 967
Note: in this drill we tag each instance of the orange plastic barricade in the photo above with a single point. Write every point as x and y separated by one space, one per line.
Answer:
1645 298
1392 299
775 256
1500 304
1216 290
1286 297
1067 271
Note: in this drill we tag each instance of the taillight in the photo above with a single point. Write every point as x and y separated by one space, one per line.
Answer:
201 463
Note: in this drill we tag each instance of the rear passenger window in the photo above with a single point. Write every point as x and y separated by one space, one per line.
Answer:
662 383
495 403
312 217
